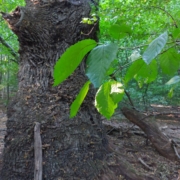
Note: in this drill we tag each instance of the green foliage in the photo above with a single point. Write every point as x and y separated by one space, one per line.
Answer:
119 31
133 51
79 99
107 98
98 62
126 27
173 80
170 93
155 48
142 72
8 68
170 61
70 60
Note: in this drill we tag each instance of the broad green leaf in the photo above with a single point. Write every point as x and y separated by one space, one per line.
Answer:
103 101
71 58
133 70
142 72
170 61
176 33
98 62
155 48
119 31
173 80
147 73
107 98
117 91
79 99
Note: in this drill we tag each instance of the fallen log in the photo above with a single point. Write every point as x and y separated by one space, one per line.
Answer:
165 146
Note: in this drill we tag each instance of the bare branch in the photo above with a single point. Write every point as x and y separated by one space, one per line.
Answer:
11 50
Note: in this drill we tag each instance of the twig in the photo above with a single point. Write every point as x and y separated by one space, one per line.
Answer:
174 145
143 163
11 50
90 30
129 98
167 14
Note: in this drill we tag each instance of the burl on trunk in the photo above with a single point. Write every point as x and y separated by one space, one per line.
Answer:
71 148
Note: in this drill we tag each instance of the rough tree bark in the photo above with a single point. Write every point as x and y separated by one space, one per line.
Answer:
72 148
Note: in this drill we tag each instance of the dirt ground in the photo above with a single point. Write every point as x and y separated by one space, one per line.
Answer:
132 143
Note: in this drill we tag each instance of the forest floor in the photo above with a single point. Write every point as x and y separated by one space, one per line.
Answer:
132 143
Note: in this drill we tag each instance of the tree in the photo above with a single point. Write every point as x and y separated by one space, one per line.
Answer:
72 148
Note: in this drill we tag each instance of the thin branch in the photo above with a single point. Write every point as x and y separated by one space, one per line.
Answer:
140 46
90 30
175 150
11 50
167 14
143 163
129 98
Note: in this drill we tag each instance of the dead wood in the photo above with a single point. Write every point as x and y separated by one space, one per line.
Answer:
160 141
37 152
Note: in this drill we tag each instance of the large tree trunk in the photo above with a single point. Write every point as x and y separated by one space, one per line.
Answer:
72 148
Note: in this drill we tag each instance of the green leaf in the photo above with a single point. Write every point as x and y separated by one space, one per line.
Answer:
147 73
79 99
110 71
142 72
176 33
119 31
70 60
133 70
173 80
98 62
107 98
155 48
170 61
170 93
117 91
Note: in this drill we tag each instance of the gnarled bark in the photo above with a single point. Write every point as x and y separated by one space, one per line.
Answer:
72 148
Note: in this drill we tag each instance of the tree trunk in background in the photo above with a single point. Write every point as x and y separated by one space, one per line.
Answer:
72 148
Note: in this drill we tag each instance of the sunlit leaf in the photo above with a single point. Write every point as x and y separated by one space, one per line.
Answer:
107 98
117 91
71 58
79 99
